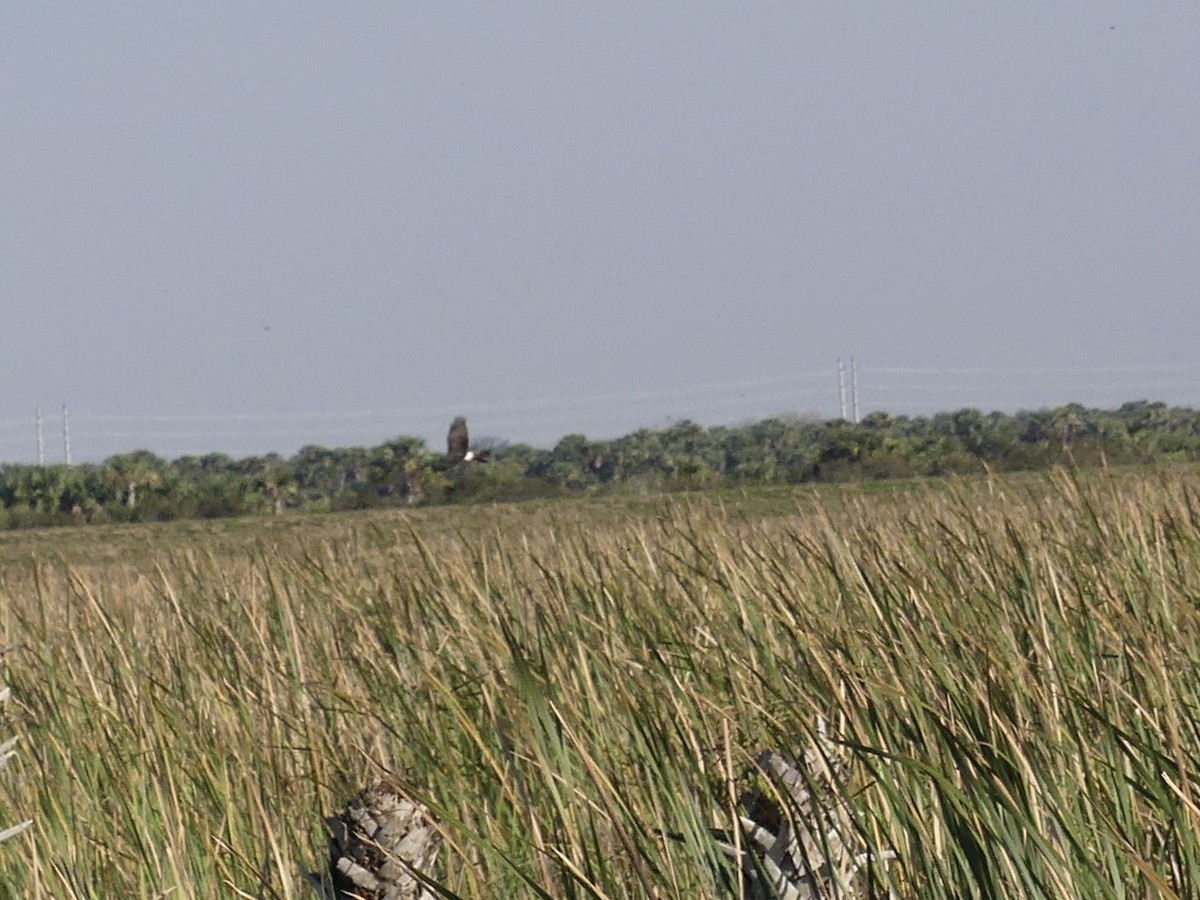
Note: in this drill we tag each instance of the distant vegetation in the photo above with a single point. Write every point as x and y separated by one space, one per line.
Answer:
141 486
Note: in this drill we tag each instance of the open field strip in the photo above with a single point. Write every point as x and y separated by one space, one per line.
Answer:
578 691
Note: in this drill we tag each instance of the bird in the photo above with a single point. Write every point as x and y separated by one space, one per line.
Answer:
458 447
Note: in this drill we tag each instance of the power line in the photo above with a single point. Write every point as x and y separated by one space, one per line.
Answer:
894 389
612 398
1034 371
751 388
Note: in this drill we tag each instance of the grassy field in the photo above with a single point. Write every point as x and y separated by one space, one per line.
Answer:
1009 668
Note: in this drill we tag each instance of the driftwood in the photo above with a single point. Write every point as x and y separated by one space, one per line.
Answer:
376 847
795 839
6 756
798 840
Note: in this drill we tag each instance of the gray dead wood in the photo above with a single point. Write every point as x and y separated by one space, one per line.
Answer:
7 753
376 845
799 841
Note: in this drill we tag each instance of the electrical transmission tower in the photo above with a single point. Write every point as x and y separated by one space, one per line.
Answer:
66 435
841 388
854 388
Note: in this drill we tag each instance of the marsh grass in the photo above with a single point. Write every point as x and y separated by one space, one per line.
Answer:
579 694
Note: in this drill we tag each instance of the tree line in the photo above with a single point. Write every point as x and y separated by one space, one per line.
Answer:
141 486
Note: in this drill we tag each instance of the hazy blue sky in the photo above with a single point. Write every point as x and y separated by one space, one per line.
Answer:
251 226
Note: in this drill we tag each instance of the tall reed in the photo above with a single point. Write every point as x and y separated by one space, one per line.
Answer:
1008 667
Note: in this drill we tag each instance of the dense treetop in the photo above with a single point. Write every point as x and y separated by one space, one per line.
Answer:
142 486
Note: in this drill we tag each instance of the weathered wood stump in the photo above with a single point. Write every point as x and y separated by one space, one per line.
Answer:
376 845
6 755
798 838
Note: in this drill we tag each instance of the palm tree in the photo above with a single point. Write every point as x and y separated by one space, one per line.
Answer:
132 471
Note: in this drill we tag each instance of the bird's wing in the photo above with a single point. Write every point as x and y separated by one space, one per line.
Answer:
457 440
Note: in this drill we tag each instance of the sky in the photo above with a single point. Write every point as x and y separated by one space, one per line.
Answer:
247 227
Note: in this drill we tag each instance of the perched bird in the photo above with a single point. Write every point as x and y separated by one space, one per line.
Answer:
458 447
